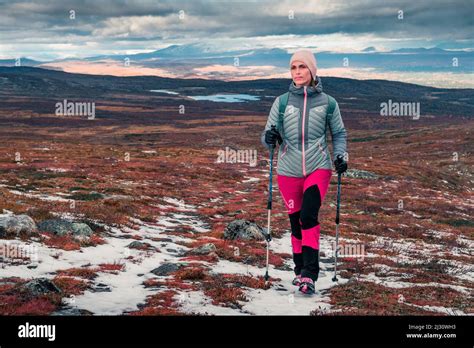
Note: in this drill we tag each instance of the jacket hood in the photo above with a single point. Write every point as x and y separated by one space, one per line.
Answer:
310 90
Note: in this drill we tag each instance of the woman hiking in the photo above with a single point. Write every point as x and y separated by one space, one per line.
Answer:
304 163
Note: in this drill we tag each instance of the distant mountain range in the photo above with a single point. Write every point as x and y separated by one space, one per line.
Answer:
406 59
20 62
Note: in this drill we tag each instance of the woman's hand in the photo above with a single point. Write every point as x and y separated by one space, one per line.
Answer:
272 136
340 164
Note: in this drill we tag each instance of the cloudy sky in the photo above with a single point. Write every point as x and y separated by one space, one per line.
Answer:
52 29
58 29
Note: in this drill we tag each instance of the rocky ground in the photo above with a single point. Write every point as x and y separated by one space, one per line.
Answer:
119 217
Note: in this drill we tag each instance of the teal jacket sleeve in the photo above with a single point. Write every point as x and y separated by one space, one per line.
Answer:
338 132
272 120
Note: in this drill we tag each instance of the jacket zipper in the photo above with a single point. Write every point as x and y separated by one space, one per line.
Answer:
302 129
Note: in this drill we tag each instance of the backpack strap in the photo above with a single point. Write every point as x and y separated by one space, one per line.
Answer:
330 111
331 106
283 103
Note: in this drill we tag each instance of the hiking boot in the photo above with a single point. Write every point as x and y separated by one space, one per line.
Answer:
307 286
297 280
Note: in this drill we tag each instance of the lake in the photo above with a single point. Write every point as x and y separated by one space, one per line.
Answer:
226 98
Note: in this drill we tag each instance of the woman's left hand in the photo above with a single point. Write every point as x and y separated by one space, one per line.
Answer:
340 164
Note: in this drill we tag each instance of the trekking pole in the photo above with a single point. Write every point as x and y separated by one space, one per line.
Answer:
268 236
338 204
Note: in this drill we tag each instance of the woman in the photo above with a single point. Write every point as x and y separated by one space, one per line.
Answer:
304 163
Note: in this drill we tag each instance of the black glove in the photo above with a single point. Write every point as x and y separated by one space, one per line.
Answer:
272 136
340 164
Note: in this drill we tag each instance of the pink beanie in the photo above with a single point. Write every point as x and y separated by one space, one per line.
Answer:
306 57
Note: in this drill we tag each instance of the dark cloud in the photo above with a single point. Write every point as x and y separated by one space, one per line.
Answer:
109 20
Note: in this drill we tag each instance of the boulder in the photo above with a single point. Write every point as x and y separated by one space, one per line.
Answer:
243 229
15 225
40 286
204 249
139 245
56 226
62 227
81 229
167 268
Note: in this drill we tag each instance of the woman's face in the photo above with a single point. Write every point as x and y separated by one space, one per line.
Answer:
300 74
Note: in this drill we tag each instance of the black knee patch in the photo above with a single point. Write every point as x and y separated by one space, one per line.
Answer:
295 225
310 207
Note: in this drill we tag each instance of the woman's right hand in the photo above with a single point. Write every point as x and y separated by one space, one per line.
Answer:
272 136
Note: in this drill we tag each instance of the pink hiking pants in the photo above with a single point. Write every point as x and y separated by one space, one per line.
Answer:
303 198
